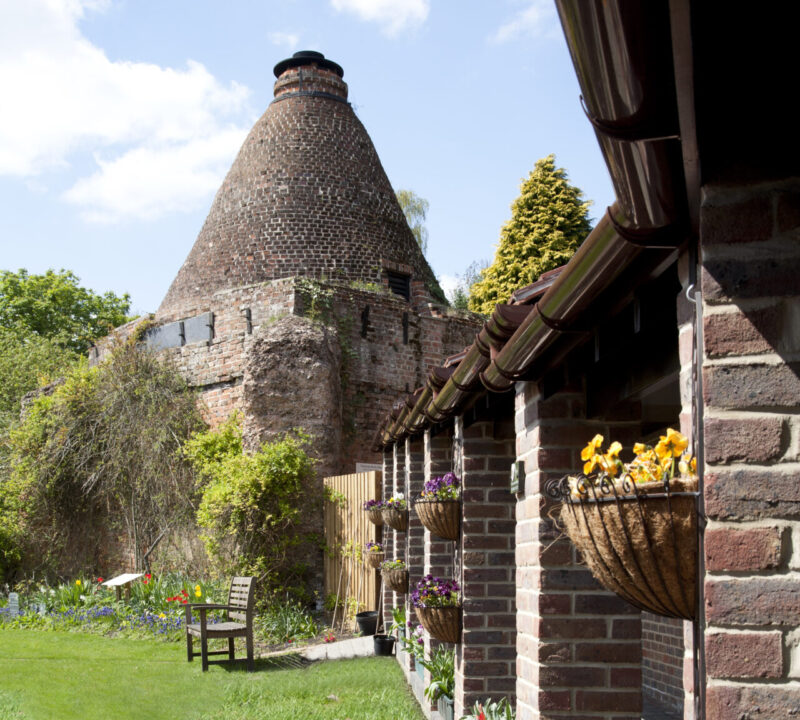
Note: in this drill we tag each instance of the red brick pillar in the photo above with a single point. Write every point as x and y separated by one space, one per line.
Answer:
394 541
438 461
486 657
415 537
579 646
750 256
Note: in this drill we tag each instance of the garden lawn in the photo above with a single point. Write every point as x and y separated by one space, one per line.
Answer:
55 675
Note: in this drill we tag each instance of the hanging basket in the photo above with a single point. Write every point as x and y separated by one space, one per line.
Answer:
441 517
639 541
394 518
374 515
396 579
443 623
374 559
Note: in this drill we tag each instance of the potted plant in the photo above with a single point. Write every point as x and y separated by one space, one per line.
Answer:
489 710
374 554
414 644
441 666
395 512
439 506
636 523
438 607
399 622
373 509
395 575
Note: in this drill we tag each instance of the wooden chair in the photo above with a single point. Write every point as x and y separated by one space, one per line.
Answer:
239 623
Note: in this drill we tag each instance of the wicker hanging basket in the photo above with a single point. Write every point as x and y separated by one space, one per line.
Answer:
374 559
375 516
396 579
441 517
639 541
394 518
443 623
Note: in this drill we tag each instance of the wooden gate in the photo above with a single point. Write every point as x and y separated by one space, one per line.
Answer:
347 531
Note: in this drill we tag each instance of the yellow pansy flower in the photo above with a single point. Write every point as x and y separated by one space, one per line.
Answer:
592 447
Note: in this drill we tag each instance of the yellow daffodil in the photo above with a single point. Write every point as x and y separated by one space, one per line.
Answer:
197 593
161 615
78 583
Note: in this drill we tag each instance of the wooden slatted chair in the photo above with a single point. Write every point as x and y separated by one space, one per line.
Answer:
239 623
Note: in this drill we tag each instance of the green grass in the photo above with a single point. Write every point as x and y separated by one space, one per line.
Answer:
55 675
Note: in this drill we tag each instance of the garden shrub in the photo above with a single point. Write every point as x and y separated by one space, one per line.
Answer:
253 507
97 465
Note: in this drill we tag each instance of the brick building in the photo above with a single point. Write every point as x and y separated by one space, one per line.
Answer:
679 310
306 301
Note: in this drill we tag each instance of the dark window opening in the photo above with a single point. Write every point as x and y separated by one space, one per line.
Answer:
399 284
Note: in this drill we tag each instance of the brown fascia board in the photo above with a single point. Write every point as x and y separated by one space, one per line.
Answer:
635 121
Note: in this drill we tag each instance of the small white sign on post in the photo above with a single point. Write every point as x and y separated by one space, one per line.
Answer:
121 581
13 604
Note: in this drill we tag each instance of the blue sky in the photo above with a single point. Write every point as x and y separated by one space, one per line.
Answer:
120 118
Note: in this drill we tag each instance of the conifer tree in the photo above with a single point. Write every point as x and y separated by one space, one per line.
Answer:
549 221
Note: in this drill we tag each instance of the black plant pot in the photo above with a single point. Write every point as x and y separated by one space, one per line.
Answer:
383 644
367 622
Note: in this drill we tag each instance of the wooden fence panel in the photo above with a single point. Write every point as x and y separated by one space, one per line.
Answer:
347 531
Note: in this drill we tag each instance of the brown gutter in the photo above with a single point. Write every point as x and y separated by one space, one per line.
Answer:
623 58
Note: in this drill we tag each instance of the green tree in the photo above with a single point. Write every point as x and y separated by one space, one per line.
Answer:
55 306
27 361
549 221
459 298
415 209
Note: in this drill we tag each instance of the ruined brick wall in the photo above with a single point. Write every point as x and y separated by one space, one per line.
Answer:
750 245
306 195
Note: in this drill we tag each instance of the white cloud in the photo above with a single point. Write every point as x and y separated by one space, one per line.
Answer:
449 283
392 15
284 39
63 99
147 182
536 20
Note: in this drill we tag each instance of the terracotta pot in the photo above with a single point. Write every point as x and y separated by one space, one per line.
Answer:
441 517
443 623
640 541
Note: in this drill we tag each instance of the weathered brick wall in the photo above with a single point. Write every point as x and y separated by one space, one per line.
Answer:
486 657
751 380
578 645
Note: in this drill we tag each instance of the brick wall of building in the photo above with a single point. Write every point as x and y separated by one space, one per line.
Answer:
751 385
578 645
486 657
662 661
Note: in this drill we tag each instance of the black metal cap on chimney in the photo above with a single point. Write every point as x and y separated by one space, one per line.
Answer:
307 57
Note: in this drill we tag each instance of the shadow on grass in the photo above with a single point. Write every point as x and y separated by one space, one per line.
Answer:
291 661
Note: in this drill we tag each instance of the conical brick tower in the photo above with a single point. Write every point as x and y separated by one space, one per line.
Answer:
306 195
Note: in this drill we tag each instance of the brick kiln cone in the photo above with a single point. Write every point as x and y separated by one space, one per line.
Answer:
306 195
